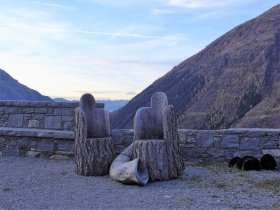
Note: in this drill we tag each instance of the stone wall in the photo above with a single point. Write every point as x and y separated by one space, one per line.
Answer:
47 128
33 128
218 145
37 114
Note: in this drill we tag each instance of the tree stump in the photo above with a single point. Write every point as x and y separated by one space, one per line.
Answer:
94 157
94 151
156 140
160 159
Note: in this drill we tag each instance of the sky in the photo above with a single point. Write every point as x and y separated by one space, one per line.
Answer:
112 49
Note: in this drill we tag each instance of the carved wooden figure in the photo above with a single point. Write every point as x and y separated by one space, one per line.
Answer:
156 139
94 150
155 146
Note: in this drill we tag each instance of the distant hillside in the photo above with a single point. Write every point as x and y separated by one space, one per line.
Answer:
233 82
11 89
109 105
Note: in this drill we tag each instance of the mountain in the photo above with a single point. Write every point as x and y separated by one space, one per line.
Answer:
109 105
11 89
233 82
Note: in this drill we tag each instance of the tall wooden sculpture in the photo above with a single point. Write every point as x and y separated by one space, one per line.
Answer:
155 144
94 150
156 139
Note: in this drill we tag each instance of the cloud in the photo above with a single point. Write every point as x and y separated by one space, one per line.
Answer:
93 92
194 4
161 11
47 29
131 93
54 5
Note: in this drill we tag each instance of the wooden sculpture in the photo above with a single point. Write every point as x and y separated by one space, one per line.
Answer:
155 141
94 150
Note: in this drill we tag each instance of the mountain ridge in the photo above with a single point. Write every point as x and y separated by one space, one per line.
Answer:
11 89
223 85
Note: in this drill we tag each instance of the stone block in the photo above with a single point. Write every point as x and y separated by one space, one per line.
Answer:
250 144
41 110
10 151
10 110
117 140
21 103
68 118
25 110
53 122
273 133
188 145
127 132
66 145
68 123
273 152
32 154
182 137
204 139
23 142
64 135
256 133
33 124
242 153
236 131
270 144
53 104
27 116
39 117
15 120
63 111
217 142
45 146
190 139
189 132
218 132
11 143
230 141
39 103
218 152
2 142
127 140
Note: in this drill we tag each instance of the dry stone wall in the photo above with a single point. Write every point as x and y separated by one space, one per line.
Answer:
33 128
218 145
47 128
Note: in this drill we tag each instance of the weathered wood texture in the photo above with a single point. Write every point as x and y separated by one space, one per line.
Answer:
128 171
156 140
98 120
148 120
94 150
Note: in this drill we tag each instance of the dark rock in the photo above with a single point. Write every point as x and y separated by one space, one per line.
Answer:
233 162
268 162
251 164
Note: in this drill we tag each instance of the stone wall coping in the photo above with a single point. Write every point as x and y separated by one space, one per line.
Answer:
23 103
33 132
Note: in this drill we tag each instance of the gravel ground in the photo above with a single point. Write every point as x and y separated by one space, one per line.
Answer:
40 183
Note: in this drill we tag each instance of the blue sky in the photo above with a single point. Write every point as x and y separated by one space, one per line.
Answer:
112 49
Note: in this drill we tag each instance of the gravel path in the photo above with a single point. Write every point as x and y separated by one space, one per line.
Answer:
31 183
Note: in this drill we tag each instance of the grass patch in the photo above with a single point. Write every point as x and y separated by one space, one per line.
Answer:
187 202
221 186
6 189
196 179
272 185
